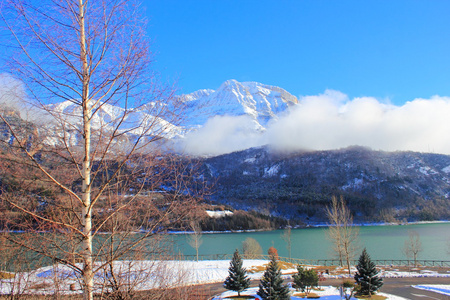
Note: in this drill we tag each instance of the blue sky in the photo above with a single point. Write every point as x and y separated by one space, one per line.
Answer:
392 50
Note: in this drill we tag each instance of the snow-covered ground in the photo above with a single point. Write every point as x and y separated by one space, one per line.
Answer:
437 288
325 293
142 275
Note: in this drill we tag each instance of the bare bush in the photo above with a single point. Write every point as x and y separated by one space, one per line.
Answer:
251 249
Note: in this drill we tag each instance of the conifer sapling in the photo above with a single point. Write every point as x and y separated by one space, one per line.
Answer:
367 275
271 286
305 280
237 279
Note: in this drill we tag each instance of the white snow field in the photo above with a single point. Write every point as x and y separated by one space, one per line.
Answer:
326 293
143 275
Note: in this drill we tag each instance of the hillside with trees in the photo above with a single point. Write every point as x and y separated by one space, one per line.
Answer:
377 186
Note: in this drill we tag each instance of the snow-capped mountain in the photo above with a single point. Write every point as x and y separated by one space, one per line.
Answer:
262 103
258 103
130 123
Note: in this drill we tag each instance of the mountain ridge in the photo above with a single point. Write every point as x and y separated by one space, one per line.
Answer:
377 185
259 101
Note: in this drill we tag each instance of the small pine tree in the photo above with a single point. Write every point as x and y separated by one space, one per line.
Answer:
305 280
237 279
271 286
347 288
297 281
367 275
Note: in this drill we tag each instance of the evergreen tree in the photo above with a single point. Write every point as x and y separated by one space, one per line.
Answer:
367 275
237 279
297 279
271 286
305 280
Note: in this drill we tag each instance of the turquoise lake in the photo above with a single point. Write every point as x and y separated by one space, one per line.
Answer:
382 242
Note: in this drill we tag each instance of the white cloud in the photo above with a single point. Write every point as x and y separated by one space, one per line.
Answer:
320 123
331 121
11 92
327 121
13 97
223 134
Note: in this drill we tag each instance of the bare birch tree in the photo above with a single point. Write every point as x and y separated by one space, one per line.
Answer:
287 237
412 246
341 231
94 111
195 238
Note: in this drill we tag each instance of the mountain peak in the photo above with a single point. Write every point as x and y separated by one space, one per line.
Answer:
258 101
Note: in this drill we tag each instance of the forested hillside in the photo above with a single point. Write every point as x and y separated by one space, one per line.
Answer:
377 185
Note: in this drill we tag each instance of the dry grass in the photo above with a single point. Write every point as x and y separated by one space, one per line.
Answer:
40 286
7 275
256 269
310 295
283 266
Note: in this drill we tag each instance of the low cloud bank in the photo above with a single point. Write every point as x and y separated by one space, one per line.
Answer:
11 93
327 121
223 134
13 98
330 121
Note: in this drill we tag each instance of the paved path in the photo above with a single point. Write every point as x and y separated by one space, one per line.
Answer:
395 286
402 287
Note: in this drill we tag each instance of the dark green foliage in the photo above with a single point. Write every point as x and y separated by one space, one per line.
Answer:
305 280
237 279
243 220
271 286
348 288
348 284
367 275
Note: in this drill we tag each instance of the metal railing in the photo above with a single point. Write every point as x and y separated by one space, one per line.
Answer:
320 262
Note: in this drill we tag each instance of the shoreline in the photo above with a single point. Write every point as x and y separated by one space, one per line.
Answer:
384 223
318 225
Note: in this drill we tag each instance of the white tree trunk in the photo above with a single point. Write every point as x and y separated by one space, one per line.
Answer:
86 212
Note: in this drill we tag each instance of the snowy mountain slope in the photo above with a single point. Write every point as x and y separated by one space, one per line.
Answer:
133 122
262 103
258 103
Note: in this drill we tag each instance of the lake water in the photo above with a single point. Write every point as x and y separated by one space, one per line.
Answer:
382 242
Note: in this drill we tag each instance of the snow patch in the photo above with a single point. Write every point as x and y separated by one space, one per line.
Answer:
219 214
355 184
427 171
272 171
250 160
326 293
437 288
